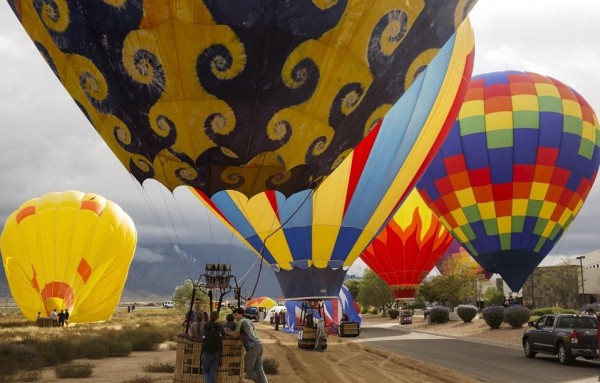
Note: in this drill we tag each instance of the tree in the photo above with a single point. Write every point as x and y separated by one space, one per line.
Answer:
375 292
458 285
353 286
493 297
182 296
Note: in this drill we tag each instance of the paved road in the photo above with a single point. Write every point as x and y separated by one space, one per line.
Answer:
489 363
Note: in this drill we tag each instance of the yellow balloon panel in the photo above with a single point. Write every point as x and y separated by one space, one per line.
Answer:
69 250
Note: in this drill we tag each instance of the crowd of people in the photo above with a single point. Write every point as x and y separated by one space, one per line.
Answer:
59 319
199 324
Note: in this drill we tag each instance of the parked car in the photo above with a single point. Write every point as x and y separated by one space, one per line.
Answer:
567 335
251 313
168 304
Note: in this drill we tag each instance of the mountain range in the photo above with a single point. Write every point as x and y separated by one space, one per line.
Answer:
156 277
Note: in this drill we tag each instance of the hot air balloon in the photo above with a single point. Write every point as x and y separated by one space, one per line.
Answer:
514 171
261 302
229 95
68 250
458 255
310 238
408 248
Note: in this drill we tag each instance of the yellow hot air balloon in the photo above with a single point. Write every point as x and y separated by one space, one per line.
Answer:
69 250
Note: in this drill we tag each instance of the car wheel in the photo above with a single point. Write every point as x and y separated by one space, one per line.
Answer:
527 349
563 355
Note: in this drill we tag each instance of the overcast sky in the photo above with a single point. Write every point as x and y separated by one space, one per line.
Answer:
47 145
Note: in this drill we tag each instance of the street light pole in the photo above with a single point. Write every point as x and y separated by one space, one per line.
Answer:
581 257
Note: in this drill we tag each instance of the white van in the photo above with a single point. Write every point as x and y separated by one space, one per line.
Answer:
168 304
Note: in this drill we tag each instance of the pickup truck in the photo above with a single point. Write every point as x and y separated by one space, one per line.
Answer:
565 335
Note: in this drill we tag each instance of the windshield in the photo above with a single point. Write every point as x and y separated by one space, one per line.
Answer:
578 322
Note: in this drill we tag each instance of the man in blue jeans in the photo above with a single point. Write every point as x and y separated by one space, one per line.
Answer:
253 360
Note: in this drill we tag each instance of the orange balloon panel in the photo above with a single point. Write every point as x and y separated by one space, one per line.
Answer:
408 247
69 250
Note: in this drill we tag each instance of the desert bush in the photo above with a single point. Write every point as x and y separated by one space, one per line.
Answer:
68 371
271 366
30 376
93 347
16 357
119 347
144 338
466 312
139 379
393 313
364 310
53 350
374 310
517 316
493 316
159 367
439 314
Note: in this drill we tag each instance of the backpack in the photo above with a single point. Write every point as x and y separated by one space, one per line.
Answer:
212 341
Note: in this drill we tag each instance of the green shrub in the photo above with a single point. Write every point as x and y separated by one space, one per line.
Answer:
160 367
466 312
493 316
144 338
552 310
517 316
393 313
364 310
93 347
53 350
439 314
271 366
139 379
119 347
73 371
374 310
30 376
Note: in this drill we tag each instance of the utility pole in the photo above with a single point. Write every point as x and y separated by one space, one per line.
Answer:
581 257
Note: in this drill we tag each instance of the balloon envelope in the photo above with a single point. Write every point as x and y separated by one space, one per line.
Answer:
265 302
408 248
237 95
69 250
515 170
310 238
333 309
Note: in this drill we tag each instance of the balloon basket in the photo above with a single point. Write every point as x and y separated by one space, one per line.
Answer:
46 322
188 368
349 329
307 337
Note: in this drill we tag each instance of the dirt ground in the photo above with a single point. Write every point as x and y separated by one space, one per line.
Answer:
343 361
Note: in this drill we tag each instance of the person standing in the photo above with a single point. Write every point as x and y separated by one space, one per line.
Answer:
277 321
212 347
67 317
53 316
190 316
230 322
253 359
61 318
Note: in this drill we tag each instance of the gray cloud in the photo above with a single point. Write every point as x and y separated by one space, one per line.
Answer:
48 145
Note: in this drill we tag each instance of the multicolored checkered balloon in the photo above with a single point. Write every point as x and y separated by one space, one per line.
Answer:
515 170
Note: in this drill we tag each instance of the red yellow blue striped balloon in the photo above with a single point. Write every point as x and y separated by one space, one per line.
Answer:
311 238
408 248
515 170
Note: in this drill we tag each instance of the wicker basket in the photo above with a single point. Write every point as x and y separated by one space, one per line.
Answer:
188 367
307 337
